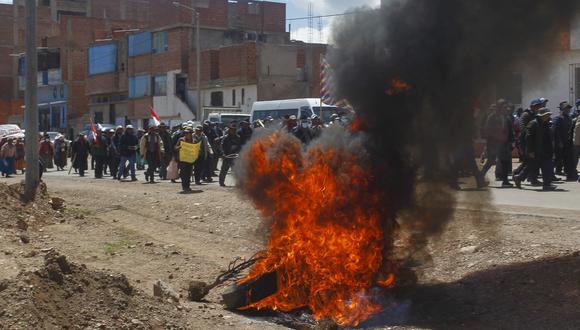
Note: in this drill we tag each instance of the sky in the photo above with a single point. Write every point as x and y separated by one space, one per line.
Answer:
322 27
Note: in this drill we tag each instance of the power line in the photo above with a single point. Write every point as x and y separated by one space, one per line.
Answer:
319 16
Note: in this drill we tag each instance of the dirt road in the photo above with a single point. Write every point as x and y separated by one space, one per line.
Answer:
509 267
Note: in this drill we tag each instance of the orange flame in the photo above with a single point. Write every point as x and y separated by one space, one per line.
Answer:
397 86
328 239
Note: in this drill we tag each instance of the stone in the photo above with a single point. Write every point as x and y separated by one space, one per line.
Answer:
57 203
24 238
164 291
469 249
22 225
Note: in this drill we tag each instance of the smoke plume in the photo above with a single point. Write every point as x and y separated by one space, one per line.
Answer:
343 209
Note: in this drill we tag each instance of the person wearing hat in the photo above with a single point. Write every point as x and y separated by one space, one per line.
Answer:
245 131
167 153
114 152
499 136
231 145
60 152
128 145
80 153
202 164
317 126
151 147
527 116
8 158
540 151
99 149
213 139
564 146
185 169
46 152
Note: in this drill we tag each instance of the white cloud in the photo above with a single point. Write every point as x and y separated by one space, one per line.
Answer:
324 7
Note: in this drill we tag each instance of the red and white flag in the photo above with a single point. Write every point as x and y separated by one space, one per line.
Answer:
93 134
154 119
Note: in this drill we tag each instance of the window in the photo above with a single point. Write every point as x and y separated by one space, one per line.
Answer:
243 96
102 59
160 42
217 99
139 86
139 44
160 85
234 97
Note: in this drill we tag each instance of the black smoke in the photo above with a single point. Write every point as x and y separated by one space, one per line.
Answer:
448 52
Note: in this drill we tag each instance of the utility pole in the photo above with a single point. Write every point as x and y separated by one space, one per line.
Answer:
31 111
199 113
195 35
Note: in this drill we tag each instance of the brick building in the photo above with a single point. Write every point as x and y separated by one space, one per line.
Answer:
114 59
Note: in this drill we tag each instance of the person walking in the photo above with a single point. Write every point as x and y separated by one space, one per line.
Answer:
80 153
128 146
185 167
499 135
99 153
231 146
245 132
114 151
167 153
46 152
564 145
60 152
20 155
8 158
200 166
151 148
539 150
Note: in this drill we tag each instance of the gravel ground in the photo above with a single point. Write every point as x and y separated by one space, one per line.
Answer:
508 267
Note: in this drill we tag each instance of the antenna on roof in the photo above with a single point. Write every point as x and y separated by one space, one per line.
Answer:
310 22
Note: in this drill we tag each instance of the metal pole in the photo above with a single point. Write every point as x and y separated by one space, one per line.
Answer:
31 111
199 113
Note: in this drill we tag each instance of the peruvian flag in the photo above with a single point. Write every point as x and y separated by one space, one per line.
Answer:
154 119
93 135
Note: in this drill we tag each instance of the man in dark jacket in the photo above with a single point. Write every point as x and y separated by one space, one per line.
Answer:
167 154
539 150
245 132
80 153
115 158
527 116
128 145
564 148
99 152
499 135
231 145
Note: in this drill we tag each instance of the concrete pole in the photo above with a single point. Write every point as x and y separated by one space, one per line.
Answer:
31 111
199 114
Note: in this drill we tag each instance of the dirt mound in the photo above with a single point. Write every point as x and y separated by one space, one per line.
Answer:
64 295
15 212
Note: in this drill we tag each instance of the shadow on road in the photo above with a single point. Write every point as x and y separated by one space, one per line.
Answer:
544 294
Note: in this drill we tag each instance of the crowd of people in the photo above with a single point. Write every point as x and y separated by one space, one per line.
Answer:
121 152
543 143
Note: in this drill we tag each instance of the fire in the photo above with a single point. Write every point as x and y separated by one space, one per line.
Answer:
397 86
327 242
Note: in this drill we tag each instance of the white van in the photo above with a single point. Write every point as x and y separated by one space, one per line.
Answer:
300 108
227 118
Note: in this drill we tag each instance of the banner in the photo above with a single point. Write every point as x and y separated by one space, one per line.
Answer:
189 152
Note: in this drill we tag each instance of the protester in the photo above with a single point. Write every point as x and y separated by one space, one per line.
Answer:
99 149
564 146
201 164
317 126
231 146
185 168
245 132
151 148
20 155
128 146
212 137
167 153
525 119
8 158
46 152
499 136
60 152
115 154
80 154
139 161
301 132
539 150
